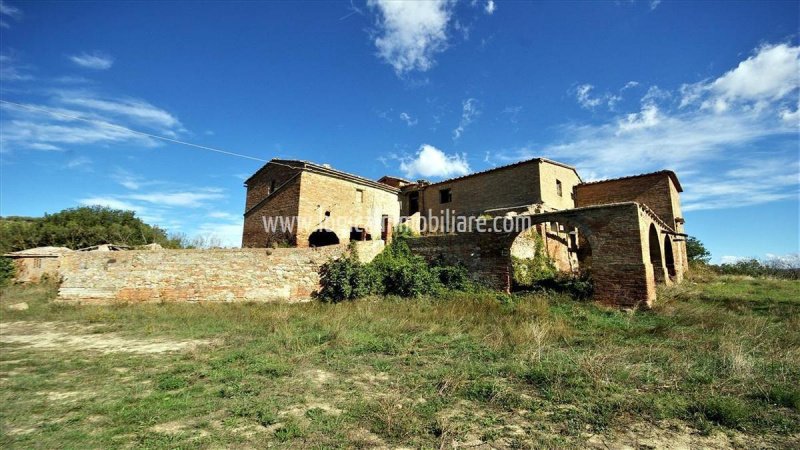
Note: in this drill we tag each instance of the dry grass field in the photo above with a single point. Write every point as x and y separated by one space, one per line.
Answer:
715 364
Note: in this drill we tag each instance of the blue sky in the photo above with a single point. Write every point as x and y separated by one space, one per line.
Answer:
417 89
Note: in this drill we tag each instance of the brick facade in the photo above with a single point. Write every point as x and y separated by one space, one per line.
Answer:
314 197
628 232
533 182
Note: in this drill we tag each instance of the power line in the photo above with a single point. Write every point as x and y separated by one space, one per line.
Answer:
107 124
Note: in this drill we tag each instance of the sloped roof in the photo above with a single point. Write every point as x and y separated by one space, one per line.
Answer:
40 252
668 173
508 166
324 170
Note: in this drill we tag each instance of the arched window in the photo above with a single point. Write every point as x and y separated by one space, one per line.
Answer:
321 238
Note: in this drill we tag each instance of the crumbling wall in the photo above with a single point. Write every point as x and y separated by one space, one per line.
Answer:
622 271
230 275
34 269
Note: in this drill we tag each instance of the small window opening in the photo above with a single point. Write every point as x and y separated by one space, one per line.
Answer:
413 203
272 186
359 196
559 190
37 263
445 196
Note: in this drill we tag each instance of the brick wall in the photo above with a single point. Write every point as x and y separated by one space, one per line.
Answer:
260 275
320 194
283 203
657 191
621 269
532 182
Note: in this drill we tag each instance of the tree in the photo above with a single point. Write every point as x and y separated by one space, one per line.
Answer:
696 251
81 227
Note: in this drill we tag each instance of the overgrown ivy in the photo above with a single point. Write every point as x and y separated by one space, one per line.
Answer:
529 271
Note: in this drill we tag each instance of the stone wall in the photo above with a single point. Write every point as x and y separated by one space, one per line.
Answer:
337 205
231 275
622 271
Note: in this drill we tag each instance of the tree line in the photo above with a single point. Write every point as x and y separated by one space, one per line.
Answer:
81 227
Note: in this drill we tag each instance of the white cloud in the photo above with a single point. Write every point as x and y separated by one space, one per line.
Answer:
788 261
654 4
223 234
95 60
646 118
432 162
728 259
490 7
742 154
469 111
583 94
410 121
135 110
30 127
11 70
181 199
111 202
769 75
79 162
9 12
410 34
222 215
792 117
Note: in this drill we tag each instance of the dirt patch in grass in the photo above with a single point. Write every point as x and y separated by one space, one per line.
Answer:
71 337
672 434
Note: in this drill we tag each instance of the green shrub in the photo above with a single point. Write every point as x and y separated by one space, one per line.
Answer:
454 277
7 270
396 271
347 279
403 273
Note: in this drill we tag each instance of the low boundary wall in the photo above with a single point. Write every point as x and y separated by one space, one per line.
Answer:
225 275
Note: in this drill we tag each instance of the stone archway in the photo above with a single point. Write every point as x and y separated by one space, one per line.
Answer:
544 250
656 259
617 234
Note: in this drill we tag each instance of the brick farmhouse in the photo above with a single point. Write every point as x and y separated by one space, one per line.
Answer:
628 232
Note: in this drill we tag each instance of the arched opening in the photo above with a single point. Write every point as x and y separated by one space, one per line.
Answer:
655 254
669 259
321 238
548 255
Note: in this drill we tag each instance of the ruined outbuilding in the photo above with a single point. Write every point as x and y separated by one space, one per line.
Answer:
627 232
34 264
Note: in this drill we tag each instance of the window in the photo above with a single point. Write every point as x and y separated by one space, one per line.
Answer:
271 187
413 203
559 191
37 263
359 196
445 196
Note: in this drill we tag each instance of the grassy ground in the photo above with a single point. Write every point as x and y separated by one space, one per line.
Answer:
715 364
